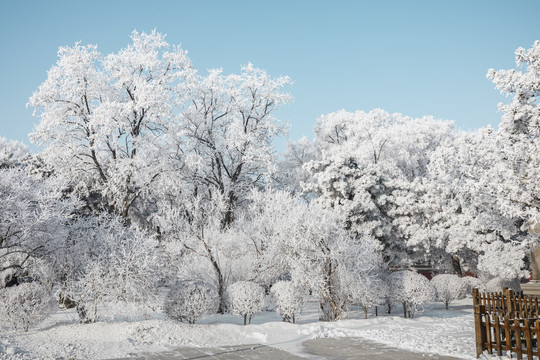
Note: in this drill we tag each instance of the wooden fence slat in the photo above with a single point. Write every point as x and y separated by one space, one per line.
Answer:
507 335
475 296
498 334
528 340
488 333
479 311
537 333
517 330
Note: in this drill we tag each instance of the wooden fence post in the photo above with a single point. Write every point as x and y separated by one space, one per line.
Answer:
509 297
479 330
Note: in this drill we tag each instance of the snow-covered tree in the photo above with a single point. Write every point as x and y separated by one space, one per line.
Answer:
412 290
519 132
288 298
33 216
103 118
192 229
448 287
291 171
308 244
461 201
26 305
245 298
105 262
369 169
226 135
191 300
12 153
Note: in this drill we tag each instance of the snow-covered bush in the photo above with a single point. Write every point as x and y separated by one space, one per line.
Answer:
288 299
245 298
25 305
107 262
497 284
411 289
471 282
377 296
191 300
448 287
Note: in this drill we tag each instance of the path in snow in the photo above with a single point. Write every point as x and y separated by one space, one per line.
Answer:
252 352
326 348
357 348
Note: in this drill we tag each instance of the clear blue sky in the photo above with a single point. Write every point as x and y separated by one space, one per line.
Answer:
413 57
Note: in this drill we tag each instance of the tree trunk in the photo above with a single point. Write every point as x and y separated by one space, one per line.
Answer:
365 311
456 265
245 319
81 311
219 275
330 308
221 288
446 304
404 309
376 311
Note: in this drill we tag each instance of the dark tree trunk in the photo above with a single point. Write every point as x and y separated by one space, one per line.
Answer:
83 316
404 309
456 265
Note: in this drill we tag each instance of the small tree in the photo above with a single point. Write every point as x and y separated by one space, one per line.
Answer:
288 299
448 288
245 298
411 289
106 262
191 300
26 305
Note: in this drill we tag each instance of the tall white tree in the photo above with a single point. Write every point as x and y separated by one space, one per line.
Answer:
519 131
103 118
226 134
370 169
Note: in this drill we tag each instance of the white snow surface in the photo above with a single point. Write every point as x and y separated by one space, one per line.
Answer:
435 331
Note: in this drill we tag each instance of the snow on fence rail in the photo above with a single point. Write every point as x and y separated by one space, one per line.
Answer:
506 321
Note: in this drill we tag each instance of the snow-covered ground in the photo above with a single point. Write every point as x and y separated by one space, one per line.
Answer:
435 331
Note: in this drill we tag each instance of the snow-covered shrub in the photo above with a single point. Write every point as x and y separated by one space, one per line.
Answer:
448 287
108 262
245 298
471 282
377 296
497 284
191 300
288 299
411 289
25 305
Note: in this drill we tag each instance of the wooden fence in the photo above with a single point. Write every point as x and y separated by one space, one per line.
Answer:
506 321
